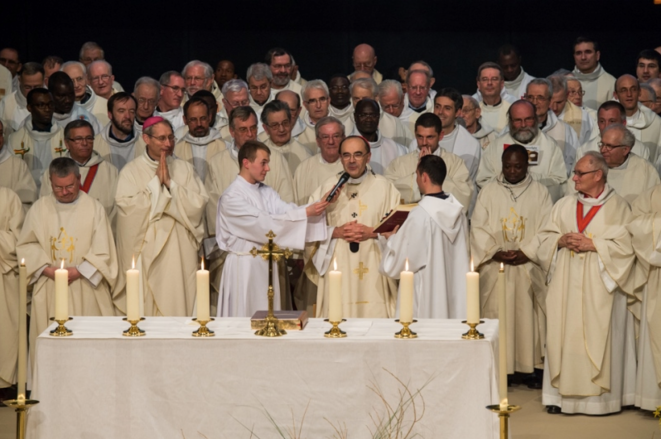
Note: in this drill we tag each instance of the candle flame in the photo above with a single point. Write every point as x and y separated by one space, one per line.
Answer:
502 267
202 263
133 263
62 265
334 264
23 262
407 265
472 268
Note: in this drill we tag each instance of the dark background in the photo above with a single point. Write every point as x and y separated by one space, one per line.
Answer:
455 37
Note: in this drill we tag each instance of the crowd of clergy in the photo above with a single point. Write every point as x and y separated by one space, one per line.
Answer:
555 179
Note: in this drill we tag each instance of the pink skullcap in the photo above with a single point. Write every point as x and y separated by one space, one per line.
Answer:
152 121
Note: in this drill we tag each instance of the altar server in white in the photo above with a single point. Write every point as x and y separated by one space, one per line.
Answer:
597 83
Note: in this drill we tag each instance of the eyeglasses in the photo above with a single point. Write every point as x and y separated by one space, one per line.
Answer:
536 98
81 140
326 137
163 139
608 147
97 79
8 61
243 103
492 79
60 189
355 155
284 124
321 100
372 116
392 107
175 89
418 88
150 102
571 92
245 130
43 105
580 174
194 79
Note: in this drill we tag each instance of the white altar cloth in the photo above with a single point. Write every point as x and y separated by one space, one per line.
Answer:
97 384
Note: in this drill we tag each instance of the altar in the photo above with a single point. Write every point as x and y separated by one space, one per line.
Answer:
97 384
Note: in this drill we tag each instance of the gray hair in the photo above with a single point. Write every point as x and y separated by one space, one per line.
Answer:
388 86
73 63
424 72
474 103
655 81
208 71
259 71
326 121
91 45
150 129
597 160
561 72
651 90
99 62
147 80
62 167
366 84
542 81
32 68
315 84
234 85
558 83
167 76
628 139
431 72
274 107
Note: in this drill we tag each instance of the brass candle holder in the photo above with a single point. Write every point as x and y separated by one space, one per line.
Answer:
203 331
20 406
406 332
133 331
504 415
335 331
61 330
473 334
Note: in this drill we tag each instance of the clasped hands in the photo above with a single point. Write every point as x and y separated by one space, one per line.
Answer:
576 242
74 274
162 171
511 257
353 231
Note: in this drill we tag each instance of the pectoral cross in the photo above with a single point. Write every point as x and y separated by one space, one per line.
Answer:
271 252
361 207
360 271
22 151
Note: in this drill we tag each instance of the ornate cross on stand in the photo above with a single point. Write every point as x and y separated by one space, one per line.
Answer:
272 253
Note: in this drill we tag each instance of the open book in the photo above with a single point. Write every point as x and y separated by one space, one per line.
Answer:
395 217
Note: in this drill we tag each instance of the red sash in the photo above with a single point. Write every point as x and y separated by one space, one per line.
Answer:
584 221
89 179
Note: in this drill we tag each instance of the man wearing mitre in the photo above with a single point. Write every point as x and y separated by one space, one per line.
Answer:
432 243
69 229
247 211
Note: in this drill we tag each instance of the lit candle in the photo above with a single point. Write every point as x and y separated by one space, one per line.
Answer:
406 295
335 296
473 296
502 337
22 328
61 293
133 293
203 294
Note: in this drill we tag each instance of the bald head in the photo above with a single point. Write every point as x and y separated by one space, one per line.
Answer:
364 58
627 91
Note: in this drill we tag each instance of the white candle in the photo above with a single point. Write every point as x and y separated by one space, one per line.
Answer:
133 293
473 296
203 294
502 337
335 296
22 328
61 293
406 295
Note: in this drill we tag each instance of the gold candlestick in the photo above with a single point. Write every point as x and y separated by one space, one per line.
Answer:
203 331
133 331
335 331
21 406
472 334
61 330
406 332
504 415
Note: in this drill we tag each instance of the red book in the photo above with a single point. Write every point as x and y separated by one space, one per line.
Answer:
395 218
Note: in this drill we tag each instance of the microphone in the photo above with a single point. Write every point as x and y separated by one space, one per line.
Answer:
354 247
343 179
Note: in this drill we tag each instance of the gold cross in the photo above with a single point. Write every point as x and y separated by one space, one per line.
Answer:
360 271
361 207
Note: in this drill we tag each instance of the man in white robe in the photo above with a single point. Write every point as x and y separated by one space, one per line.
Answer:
494 101
293 100
656 86
98 178
51 64
595 81
585 250
276 120
13 108
10 59
91 52
416 100
648 97
539 94
364 59
225 71
259 78
508 213
340 97
198 75
516 79
545 158
169 102
402 172
146 93
247 211
280 62
15 174
84 94
647 65
576 117
641 121
316 102
432 243
363 202
101 79
120 142
160 222
236 94
71 229
64 102
201 142
609 113
470 112
11 221
40 139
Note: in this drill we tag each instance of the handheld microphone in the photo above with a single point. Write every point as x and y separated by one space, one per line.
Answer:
354 247
343 179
